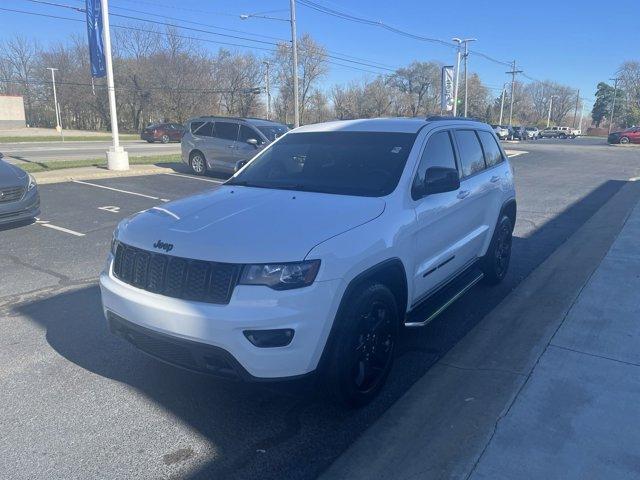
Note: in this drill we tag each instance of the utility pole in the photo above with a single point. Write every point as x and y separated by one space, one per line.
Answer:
549 114
267 89
504 88
461 41
294 46
513 73
613 104
466 55
117 157
581 118
55 102
575 113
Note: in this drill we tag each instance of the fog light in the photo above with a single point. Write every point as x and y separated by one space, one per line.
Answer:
270 338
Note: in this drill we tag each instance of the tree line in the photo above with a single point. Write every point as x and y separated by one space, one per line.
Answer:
163 76
626 92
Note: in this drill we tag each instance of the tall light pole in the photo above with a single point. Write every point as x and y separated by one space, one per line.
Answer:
455 85
117 157
267 88
466 55
504 90
575 113
613 104
294 54
55 102
550 106
513 74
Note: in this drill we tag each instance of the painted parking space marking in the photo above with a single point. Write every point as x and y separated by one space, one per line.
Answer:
110 208
195 178
120 190
515 153
45 223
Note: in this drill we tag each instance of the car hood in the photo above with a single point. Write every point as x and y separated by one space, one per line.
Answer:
11 176
247 225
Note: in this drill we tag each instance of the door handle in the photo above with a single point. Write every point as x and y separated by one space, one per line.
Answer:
463 194
495 178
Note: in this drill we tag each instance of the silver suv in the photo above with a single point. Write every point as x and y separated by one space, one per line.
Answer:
225 144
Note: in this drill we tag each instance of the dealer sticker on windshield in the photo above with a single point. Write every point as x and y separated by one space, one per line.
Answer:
396 149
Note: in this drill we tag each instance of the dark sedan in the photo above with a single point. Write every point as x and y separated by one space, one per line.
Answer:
163 132
19 198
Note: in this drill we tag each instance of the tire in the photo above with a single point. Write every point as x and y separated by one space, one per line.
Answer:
495 263
165 138
197 163
364 346
624 140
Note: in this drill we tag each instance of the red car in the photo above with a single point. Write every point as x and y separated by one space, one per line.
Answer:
163 132
630 135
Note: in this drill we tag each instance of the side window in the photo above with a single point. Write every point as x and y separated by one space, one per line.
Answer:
247 132
471 157
437 153
227 130
205 130
492 152
195 126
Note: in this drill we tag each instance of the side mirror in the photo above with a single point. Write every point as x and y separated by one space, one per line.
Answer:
440 180
252 141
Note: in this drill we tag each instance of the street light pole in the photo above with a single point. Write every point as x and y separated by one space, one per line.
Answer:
117 157
455 87
549 114
294 47
504 88
55 102
267 89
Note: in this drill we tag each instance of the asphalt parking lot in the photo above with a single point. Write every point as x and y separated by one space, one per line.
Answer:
80 403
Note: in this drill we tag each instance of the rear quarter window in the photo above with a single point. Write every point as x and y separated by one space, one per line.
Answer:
471 155
492 152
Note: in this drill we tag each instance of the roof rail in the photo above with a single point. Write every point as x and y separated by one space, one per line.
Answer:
436 118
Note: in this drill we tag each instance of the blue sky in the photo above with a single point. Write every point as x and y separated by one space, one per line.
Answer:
575 42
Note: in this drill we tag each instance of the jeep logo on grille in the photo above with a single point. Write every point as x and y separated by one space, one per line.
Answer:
160 245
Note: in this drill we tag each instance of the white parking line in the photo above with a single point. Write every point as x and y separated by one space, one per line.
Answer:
121 191
515 153
45 223
195 178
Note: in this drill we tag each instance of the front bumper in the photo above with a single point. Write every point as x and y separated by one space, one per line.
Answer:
24 209
209 337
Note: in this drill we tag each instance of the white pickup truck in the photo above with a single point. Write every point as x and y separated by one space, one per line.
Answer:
560 132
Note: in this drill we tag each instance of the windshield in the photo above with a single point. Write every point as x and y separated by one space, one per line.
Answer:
348 163
272 131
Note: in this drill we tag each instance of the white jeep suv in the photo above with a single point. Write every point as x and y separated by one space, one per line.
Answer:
315 254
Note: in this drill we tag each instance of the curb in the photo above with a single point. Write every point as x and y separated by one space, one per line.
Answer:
92 173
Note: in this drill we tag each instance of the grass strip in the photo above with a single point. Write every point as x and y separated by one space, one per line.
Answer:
61 164
70 138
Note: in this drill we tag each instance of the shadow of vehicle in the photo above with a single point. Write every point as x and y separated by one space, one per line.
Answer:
274 431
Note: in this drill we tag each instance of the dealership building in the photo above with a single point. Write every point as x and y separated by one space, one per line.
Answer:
11 112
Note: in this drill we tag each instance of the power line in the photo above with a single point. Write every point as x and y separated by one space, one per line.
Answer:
77 9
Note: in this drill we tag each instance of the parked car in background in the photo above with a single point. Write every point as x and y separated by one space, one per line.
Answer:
558 132
19 198
501 132
532 133
163 132
629 135
316 254
225 144
518 133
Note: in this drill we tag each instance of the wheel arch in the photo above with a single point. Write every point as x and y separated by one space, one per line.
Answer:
391 273
510 209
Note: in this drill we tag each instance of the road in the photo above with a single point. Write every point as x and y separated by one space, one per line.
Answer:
34 152
80 403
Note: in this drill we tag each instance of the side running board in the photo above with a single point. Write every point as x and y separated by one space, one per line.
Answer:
433 306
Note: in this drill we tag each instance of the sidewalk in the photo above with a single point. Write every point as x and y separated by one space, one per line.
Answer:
546 386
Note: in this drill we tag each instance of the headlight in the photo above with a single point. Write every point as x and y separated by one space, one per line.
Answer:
280 276
32 182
